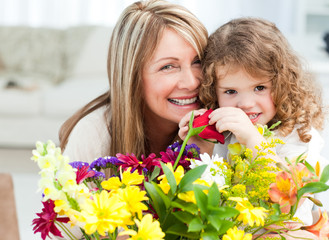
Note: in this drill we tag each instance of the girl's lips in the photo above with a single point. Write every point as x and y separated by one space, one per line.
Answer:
253 117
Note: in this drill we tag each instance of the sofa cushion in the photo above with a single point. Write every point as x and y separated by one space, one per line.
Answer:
33 50
66 98
92 60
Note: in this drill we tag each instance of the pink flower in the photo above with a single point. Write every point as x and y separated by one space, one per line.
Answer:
283 191
45 224
210 132
321 227
302 175
83 173
130 160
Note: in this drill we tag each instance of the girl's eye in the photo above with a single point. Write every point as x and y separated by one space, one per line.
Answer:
230 91
197 61
259 88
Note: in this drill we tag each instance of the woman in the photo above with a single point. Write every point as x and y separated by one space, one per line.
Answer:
154 73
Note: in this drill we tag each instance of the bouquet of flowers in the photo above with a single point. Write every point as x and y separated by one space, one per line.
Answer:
182 195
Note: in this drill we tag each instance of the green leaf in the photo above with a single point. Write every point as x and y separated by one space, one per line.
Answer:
195 225
165 198
224 226
155 173
277 212
183 216
222 212
209 236
325 175
201 200
185 206
180 230
299 158
190 177
209 233
309 167
158 203
170 177
213 195
313 187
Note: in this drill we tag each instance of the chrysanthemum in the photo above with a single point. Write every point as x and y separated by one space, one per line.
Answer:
236 234
128 178
178 174
214 170
104 213
248 213
147 230
134 198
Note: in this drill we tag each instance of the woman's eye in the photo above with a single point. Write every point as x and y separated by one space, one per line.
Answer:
230 91
167 67
260 88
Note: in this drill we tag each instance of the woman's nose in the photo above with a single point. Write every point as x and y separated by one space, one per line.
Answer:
190 79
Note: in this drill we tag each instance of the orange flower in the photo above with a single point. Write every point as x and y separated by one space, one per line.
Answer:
301 174
283 191
321 227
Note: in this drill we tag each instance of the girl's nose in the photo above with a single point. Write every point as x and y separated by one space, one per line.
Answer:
190 79
246 101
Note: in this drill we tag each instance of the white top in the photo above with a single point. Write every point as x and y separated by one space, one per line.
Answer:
90 138
293 147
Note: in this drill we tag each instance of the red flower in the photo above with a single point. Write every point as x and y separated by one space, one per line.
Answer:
83 173
45 224
130 160
210 131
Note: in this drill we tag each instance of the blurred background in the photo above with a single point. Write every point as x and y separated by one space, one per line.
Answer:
53 61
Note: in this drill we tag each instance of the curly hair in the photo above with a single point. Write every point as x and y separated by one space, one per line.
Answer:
259 47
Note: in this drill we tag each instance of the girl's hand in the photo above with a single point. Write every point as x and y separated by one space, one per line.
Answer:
236 121
183 130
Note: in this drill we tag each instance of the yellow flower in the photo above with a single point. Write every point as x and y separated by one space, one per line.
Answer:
189 195
134 197
147 230
179 174
248 213
236 234
127 179
104 213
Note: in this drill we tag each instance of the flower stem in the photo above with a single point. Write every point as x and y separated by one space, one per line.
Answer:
66 230
182 149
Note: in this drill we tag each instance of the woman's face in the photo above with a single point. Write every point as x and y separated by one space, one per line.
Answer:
171 79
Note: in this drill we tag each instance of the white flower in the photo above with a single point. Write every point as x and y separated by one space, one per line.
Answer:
213 172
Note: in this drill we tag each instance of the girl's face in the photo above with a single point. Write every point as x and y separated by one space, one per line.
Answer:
252 95
171 79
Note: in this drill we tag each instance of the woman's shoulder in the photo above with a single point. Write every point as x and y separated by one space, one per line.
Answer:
90 138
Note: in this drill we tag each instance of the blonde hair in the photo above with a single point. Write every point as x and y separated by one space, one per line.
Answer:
133 42
260 48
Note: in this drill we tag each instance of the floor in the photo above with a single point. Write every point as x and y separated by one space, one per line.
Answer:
25 177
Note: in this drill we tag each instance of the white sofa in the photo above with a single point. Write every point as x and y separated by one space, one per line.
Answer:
45 76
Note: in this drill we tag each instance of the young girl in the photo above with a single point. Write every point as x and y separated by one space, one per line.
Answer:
252 76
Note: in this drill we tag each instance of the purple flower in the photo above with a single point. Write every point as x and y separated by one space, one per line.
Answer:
191 151
79 164
105 162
